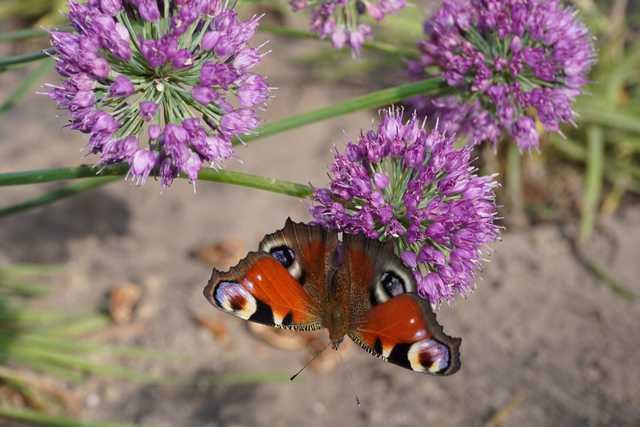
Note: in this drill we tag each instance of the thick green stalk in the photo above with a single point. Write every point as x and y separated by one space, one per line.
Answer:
376 99
26 58
514 186
58 174
258 182
593 182
119 170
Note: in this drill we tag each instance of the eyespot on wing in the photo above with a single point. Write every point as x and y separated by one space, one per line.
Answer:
234 298
429 355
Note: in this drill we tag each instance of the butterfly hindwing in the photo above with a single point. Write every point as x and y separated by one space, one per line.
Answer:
374 271
394 323
404 331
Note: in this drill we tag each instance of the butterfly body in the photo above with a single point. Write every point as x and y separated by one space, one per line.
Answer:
305 278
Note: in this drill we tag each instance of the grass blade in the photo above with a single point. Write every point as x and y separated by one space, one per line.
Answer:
517 216
593 182
39 419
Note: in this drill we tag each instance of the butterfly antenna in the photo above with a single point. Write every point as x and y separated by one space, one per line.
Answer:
349 379
293 377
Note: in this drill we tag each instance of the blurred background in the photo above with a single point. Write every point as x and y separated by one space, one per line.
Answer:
101 308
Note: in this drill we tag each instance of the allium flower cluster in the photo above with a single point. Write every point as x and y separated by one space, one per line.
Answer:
404 183
160 84
340 19
512 60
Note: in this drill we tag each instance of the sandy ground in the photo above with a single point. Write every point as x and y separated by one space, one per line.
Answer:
539 335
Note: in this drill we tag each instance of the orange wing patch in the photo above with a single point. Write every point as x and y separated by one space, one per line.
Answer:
404 331
399 320
272 284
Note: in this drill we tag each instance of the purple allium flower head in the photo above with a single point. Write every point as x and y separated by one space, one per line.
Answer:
512 61
405 183
164 85
339 20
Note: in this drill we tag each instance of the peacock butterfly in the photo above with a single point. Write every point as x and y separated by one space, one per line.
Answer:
305 278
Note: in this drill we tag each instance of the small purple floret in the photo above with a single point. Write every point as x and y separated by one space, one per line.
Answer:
121 87
147 110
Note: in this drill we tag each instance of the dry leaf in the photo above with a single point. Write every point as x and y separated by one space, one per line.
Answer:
123 301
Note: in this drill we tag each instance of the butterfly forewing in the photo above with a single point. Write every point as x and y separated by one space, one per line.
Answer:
260 289
311 247
283 285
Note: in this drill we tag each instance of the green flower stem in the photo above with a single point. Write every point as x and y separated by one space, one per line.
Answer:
120 169
259 182
372 100
40 419
514 186
593 182
371 45
58 174
116 172
26 58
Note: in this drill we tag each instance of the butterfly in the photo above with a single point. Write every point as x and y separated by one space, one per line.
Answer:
305 278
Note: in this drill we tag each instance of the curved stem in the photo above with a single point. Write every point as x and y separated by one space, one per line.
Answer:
115 172
376 99
26 58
